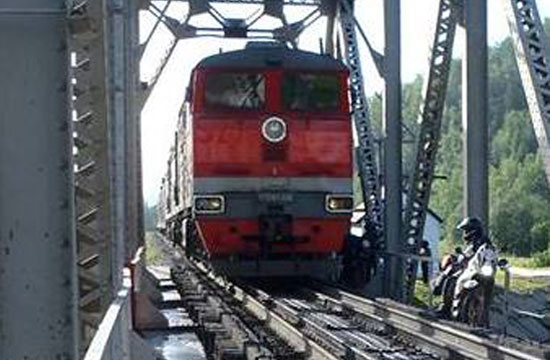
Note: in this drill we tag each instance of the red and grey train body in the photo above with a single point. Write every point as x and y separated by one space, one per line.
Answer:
266 166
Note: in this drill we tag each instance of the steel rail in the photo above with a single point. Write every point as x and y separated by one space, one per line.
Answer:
216 316
450 341
315 339
318 338
280 326
322 334
321 321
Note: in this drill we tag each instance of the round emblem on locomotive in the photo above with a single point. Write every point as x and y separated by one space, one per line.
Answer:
274 129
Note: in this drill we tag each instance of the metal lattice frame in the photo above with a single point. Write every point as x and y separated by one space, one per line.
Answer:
365 155
93 210
418 196
533 58
107 140
183 30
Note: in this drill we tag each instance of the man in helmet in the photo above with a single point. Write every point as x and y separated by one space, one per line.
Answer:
472 234
478 251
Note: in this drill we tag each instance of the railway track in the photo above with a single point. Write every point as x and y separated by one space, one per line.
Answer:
317 321
445 340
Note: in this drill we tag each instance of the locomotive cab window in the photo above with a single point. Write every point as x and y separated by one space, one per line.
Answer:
235 90
311 92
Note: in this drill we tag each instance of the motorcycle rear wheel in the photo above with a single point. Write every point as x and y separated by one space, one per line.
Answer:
474 307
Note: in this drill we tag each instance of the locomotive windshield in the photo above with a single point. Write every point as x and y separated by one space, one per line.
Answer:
235 90
311 92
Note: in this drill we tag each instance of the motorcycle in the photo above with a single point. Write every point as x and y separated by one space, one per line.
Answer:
444 284
475 296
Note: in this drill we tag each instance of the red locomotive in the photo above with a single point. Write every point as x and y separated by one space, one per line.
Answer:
260 175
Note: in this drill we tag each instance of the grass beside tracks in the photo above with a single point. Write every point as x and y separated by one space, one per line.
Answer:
422 296
153 254
523 285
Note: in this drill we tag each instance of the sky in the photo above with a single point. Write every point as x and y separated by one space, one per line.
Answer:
159 115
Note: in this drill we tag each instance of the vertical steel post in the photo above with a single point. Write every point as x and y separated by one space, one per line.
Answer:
135 198
474 95
38 295
392 146
118 132
330 8
506 298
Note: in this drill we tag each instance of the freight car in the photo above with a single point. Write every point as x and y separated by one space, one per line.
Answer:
259 178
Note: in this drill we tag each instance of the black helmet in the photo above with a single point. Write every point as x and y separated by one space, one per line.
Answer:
472 228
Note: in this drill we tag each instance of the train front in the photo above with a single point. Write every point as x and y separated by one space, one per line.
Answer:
272 161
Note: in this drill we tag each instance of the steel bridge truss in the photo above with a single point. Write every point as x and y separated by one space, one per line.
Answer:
533 59
92 187
365 153
103 35
236 28
431 114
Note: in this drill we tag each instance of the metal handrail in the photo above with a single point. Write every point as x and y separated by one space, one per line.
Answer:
115 320
111 338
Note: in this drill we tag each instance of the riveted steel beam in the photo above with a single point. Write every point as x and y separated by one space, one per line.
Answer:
392 132
533 59
38 313
365 154
90 106
104 43
435 89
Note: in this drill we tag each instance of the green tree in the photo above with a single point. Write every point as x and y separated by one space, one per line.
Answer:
519 219
519 195
515 139
520 216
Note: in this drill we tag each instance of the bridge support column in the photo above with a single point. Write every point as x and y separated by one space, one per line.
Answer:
475 123
38 304
392 147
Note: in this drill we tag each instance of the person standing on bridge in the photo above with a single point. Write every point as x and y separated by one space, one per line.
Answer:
425 252
478 256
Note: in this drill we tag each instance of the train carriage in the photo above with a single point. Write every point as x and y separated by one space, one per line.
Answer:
266 179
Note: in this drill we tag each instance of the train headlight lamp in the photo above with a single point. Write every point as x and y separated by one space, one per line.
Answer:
209 204
274 129
339 203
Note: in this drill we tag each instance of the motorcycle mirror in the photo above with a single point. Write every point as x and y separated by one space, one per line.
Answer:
502 263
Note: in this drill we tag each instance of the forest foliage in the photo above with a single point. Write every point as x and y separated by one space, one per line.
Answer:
519 194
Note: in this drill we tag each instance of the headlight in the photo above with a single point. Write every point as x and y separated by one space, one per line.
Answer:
274 129
339 203
209 204
487 270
